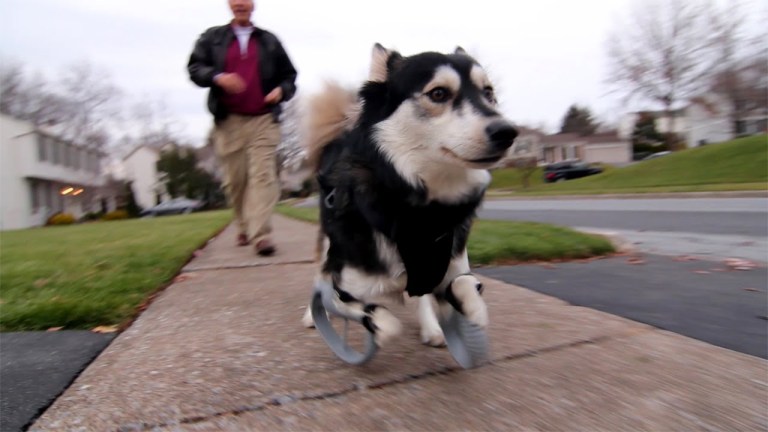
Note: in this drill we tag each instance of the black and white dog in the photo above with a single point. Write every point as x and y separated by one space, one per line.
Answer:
402 167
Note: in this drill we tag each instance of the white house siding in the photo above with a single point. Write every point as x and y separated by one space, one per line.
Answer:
141 169
707 126
32 180
618 153
14 200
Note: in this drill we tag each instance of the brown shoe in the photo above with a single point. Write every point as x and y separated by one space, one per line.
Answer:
242 240
265 248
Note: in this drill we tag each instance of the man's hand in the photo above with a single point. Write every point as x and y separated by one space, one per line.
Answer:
275 96
230 82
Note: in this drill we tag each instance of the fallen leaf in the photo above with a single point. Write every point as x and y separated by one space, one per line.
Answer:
54 329
635 260
104 329
685 258
740 264
751 289
181 278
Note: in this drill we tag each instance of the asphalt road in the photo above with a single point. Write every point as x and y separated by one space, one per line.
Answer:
711 228
700 299
35 367
720 216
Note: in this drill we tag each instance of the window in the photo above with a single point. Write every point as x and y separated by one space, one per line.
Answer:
34 194
56 151
47 191
64 153
76 157
93 162
42 153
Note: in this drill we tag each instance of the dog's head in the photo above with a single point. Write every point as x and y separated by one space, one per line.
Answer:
435 108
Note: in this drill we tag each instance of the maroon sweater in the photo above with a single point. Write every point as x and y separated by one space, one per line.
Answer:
251 101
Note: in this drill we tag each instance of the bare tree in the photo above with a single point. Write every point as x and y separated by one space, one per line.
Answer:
742 74
26 98
11 87
82 104
665 53
289 151
92 103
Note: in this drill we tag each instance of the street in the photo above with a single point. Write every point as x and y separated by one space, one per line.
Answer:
679 278
707 301
711 228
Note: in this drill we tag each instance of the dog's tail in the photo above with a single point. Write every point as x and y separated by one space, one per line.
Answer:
327 114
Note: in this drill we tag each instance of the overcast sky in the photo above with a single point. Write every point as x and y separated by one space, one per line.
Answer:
542 54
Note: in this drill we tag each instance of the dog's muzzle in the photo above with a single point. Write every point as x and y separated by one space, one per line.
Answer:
501 135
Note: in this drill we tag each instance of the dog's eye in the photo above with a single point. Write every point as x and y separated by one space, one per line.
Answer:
439 95
488 93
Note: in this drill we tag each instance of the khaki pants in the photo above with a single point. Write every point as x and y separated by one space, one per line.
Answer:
246 147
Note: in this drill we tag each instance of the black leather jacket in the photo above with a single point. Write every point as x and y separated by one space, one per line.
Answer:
210 53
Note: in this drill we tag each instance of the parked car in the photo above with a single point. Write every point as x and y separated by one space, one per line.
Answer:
656 155
561 171
173 206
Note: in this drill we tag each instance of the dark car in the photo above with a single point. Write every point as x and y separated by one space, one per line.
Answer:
656 155
568 170
174 206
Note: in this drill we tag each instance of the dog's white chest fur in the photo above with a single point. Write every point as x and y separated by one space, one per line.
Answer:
391 285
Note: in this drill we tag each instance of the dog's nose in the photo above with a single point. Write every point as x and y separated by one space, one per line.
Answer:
501 135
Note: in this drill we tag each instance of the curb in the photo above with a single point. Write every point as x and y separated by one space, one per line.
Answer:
650 195
622 245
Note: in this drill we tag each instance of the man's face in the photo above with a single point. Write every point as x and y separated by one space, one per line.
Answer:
241 9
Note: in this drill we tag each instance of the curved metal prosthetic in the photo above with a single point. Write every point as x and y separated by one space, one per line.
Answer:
467 342
322 304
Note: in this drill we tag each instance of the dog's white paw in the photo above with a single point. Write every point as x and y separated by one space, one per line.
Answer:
465 290
432 337
307 320
431 333
387 325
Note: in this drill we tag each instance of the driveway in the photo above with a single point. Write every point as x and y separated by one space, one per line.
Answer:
705 300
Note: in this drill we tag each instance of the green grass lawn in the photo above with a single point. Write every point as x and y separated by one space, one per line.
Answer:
81 276
493 242
741 164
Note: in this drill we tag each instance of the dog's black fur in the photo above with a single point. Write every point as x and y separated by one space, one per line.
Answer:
362 193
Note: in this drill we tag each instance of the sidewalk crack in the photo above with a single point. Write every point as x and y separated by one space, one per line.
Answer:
446 370
243 266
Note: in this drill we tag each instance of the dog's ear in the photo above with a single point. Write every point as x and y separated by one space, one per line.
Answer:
379 57
382 62
459 50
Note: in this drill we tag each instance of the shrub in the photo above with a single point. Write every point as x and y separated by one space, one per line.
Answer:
91 216
61 219
116 215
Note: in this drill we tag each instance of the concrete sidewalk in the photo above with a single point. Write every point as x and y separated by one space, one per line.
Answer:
223 349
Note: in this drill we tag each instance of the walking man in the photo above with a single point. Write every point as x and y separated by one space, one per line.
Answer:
249 74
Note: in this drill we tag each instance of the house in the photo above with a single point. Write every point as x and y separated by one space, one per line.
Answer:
140 168
42 174
706 119
606 147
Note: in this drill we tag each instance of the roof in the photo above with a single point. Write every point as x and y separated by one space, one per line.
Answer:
604 137
523 130
563 138
140 146
574 138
